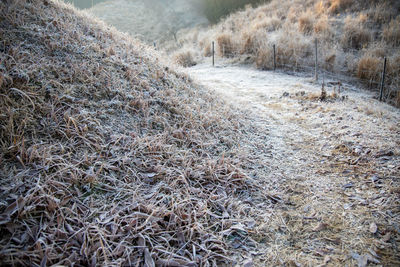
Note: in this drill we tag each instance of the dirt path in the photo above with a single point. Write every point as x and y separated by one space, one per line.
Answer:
332 168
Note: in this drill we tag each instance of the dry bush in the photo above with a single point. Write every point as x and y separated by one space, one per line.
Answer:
264 56
264 59
323 28
248 43
320 7
207 49
355 35
292 15
382 13
306 22
205 45
336 6
293 48
268 24
185 57
391 33
369 68
225 45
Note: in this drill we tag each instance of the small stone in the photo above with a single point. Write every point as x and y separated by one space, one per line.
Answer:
248 263
373 228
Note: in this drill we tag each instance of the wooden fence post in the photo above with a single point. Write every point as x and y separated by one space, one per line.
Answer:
382 80
213 54
274 57
316 59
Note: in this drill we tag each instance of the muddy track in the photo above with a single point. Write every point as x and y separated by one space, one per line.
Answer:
332 167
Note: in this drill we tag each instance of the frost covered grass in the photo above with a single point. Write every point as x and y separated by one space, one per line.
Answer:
109 157
347 32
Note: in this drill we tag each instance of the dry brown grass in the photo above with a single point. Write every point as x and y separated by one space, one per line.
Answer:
264 58
268 24
336 6
346 30
320 7
306 22
355 35
323 29
391 33
369 68
185 57
108 157
382 12
293 49
249 45
225 45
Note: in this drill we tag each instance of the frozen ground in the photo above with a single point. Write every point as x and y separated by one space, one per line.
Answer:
332 167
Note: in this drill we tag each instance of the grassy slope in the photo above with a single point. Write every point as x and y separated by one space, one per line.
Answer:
107 157
353 37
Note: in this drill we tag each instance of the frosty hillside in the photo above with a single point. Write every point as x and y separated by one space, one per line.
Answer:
112 155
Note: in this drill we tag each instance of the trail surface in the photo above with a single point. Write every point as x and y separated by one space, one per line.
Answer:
331 167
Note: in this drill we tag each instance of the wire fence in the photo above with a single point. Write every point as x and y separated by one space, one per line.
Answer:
316 63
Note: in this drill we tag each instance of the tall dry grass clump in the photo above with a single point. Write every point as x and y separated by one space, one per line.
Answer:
185 57
293 49
249 45
264 56
323 29
225 45
355 35
268 24
336 6
369 68
382 12
306 22
391 33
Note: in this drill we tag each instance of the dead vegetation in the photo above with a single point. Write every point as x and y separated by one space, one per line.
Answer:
185 58
108 157
346 30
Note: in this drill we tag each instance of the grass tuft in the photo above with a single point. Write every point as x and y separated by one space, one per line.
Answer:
391 33
185 58
355 35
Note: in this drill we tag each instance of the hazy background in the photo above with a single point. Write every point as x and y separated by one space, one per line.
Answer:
159 21
84 3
